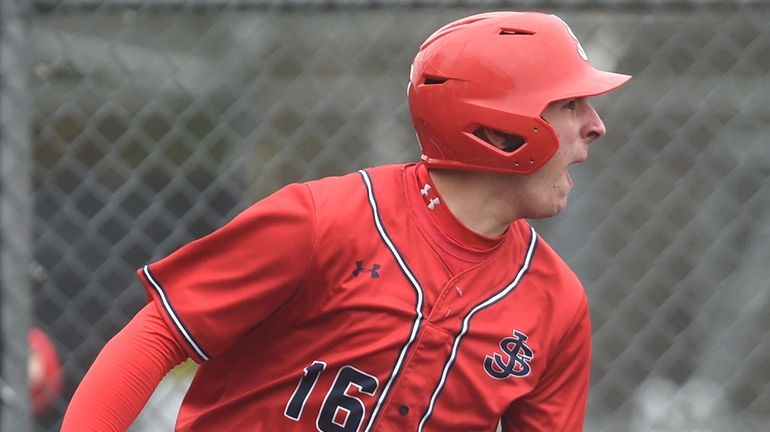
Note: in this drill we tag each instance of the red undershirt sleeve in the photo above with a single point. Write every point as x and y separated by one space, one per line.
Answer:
124 375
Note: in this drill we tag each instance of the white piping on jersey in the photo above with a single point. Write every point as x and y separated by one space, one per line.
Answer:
466 324
172 314
418 291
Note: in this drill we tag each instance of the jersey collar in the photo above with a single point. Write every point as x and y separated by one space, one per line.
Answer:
454 234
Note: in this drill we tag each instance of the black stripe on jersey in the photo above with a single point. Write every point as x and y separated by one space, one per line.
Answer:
172 314
467 321
412 280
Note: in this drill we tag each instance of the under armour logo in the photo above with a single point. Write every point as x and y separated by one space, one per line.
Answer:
372 271
424 190
515 361
432 202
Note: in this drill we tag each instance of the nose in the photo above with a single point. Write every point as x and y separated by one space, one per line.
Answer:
593 128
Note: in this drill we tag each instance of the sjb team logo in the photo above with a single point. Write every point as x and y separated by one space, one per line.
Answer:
580 49
514 360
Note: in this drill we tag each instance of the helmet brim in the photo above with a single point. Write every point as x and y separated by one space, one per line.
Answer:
594 83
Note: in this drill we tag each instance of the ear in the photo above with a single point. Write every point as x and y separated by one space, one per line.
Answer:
503 141
492 136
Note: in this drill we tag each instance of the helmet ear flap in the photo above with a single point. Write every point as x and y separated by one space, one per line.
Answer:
429 141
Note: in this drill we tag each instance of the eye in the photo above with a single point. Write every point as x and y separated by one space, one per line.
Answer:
571 104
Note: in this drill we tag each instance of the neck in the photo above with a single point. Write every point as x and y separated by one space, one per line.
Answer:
475 199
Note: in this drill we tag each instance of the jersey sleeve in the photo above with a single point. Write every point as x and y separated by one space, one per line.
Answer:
559 399
217 288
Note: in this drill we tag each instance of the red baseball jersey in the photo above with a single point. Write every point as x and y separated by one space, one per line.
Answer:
341 305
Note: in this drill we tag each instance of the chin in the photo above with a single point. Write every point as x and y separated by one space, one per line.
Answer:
547 212
552 204
557 208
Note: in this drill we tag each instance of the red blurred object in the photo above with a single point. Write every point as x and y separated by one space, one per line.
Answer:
45 371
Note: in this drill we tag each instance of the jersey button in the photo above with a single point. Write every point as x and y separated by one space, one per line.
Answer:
403 409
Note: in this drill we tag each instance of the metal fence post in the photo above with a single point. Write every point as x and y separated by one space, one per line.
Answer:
15 219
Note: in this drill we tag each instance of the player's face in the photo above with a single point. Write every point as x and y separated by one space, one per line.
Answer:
577 125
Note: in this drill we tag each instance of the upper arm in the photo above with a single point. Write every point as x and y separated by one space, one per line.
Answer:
215 289
124 375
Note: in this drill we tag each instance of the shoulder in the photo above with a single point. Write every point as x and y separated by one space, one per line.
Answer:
336 190
556 281
549 264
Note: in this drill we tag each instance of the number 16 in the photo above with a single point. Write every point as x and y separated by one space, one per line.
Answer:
337 399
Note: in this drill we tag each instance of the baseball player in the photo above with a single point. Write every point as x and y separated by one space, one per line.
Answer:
408 297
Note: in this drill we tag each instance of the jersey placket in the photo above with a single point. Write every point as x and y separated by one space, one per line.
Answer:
415 385
435 350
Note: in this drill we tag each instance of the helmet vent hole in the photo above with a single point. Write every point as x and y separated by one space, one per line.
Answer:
515 32
504 141
431 80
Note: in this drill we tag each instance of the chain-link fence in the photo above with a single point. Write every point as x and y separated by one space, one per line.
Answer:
132 127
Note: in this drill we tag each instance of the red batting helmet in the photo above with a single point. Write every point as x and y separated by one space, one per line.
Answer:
497 70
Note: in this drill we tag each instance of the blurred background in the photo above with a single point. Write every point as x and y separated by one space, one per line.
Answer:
130 127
